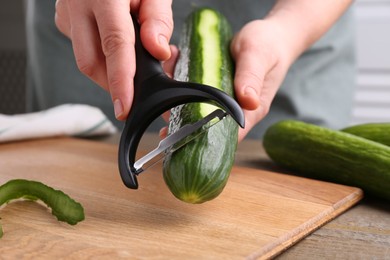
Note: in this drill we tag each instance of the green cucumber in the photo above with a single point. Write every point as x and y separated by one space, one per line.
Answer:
198 172
330 155
378 132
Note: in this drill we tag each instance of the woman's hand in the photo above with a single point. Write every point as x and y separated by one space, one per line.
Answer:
102 36
261 60
261 64
263 51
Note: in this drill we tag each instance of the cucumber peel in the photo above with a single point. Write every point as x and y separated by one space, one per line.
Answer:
63 207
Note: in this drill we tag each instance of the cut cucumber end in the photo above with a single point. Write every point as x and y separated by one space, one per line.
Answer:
191 197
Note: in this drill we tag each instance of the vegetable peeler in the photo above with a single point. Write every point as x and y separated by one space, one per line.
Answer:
154 94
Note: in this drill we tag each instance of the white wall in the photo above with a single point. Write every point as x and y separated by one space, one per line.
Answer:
372 101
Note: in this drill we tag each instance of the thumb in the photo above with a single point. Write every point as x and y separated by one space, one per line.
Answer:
249 77
156 27
169 65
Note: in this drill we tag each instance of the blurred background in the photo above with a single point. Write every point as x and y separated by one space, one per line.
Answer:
372 100
12 57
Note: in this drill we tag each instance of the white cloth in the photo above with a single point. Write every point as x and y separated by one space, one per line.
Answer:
63 120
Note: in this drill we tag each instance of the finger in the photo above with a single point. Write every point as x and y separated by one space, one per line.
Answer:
117 40
166 116
249 75
242 133
61 17
156 21
163 132
169 65
86 45
252 117
169 68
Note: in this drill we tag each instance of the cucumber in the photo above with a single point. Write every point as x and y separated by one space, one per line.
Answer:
198 171
378 132
330 155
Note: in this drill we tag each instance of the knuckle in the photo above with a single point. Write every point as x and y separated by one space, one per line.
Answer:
60 17
255 79
113 42
59 24
86 66
241 44
115 82
249 46
165 21
162 21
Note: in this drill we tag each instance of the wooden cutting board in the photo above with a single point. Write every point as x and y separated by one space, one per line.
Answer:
258 215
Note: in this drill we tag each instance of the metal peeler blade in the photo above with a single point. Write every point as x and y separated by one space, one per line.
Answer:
154 94
178 139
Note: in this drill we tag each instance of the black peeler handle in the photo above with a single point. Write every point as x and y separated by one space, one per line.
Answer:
154 94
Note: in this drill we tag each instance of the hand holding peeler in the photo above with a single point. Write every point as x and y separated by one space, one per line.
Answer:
154 94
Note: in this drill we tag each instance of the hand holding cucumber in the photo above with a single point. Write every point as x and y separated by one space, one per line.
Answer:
261 64
263 51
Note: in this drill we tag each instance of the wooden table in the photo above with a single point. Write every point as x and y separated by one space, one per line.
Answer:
363 232
289 209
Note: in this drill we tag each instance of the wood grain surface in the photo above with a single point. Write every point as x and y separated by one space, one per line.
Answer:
259 214
363 232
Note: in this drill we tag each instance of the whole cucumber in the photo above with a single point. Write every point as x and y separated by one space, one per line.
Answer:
378 132
330 155
198 172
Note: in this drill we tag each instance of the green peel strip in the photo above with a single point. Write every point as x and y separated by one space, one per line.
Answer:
62 206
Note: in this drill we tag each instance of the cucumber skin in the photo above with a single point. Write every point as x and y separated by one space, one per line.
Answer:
330 155
63 207
199 171
378 132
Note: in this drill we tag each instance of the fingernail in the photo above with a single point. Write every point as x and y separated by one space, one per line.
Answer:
249 91
118 108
